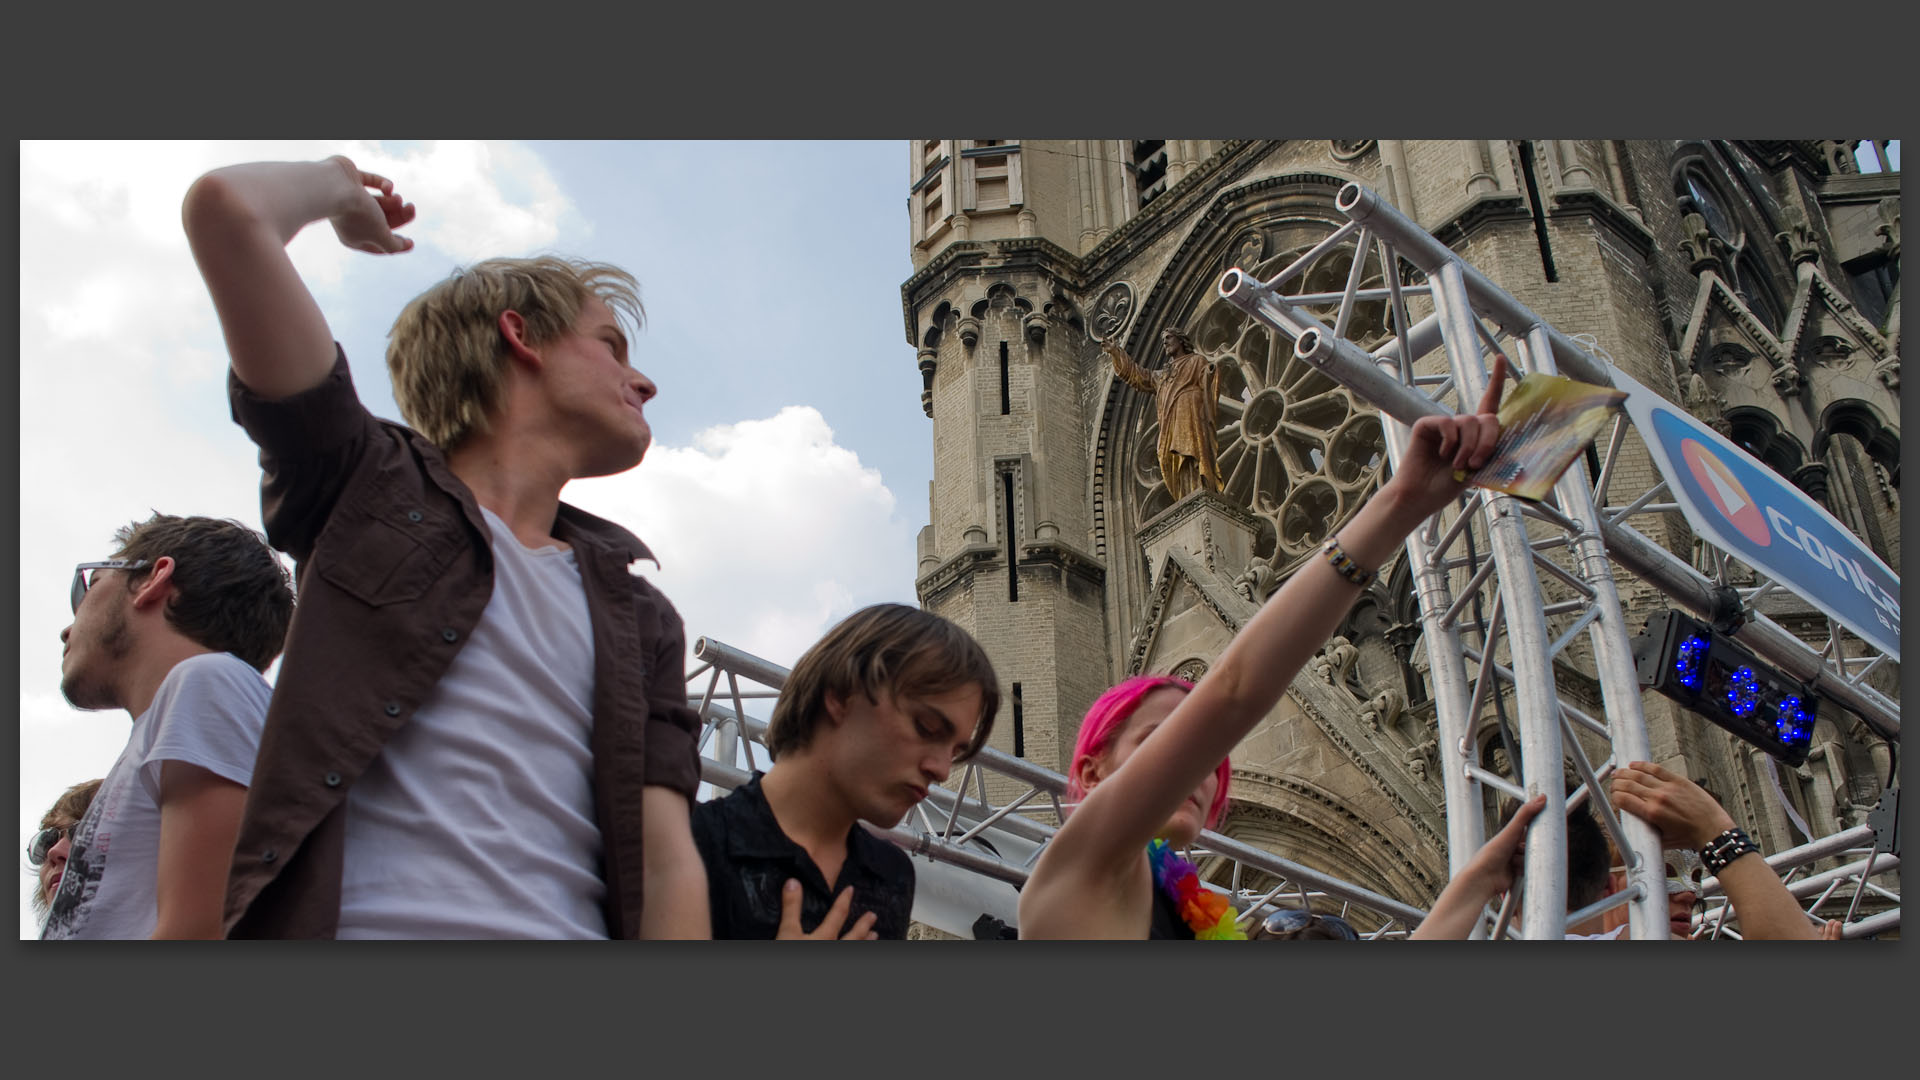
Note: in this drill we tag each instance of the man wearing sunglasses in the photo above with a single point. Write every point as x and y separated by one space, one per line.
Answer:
481 727
48 850
176 629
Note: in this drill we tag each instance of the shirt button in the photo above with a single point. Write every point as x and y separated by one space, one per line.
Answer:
269 855
449 635
414 516
332 779
393 708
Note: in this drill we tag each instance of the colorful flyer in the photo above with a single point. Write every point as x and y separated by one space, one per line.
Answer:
1547 422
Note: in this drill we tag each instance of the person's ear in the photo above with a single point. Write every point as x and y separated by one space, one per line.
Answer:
513 331
154 589
1089 771
836 707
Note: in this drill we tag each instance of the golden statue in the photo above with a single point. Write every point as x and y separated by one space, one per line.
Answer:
1187 397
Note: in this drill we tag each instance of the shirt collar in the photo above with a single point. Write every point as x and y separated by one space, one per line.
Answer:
756 833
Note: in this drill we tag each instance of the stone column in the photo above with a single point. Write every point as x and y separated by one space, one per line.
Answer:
1394 156
1480 179
1572 172
1089 220
1619 177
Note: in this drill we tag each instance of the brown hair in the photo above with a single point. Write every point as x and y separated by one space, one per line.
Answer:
445 352
71 806
891 647
230 593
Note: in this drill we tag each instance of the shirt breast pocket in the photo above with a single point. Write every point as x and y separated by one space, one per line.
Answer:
388 554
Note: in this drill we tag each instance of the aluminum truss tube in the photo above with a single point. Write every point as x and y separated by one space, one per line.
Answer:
1543 906
1613 663
1872 924
1425 337
1446 663
1841 875
740 663
1427 253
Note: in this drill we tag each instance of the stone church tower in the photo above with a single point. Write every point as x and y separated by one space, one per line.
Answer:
1756 281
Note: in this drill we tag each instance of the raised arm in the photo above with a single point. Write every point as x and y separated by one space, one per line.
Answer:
239 220
1130 373
1688 817
1107 833
1490 872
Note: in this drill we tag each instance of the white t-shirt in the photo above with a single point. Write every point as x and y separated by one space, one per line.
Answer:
208 712
477 818
1611 935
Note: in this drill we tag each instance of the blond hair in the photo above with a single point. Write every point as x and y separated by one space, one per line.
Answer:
446 354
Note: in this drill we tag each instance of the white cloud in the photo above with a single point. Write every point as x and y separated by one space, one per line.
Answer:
767 532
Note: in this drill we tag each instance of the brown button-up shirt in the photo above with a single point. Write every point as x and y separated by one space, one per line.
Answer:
394 566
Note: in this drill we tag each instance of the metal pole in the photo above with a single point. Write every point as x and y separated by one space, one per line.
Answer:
1544 906
1613 662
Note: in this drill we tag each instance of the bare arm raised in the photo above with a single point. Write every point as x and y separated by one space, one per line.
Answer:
239 220
1101 847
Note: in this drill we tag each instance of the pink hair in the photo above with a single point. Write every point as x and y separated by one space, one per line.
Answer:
1109 715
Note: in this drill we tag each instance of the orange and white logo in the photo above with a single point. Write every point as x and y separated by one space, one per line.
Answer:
1727 494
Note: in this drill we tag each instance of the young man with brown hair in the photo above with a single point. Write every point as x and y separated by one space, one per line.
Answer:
176 628
872 716
480 729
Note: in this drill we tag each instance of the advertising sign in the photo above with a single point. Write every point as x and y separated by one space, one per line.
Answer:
1741 506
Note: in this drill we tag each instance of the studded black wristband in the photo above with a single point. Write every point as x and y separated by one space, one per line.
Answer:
1720 851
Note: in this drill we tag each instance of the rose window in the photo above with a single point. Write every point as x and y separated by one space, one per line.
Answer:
1297 448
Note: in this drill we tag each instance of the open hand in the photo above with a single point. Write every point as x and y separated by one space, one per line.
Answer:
1686 816
368 218
829 928
1443 445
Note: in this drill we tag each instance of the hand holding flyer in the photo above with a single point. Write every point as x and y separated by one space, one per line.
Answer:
1546 423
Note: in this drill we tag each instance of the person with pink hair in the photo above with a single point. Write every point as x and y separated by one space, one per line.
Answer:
1150 768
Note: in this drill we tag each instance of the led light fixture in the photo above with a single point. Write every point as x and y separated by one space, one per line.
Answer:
1709 674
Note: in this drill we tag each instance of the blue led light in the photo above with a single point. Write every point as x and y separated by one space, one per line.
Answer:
1743 692
1688 662
1795 723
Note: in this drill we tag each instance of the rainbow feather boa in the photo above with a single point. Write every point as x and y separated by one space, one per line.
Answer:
1211 917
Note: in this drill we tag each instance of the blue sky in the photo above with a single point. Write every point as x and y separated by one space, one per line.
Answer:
791 460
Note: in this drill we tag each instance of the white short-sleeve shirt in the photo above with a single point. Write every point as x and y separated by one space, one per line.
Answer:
209 712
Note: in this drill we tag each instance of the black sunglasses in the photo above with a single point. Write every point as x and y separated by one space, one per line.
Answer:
45 841
82 581
1290 920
